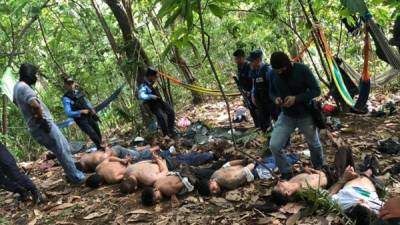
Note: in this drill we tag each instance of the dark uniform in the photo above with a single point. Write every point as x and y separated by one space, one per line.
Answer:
152 98
246 84
266 109
74 101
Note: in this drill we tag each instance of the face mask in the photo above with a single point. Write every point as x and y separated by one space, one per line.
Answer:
28 74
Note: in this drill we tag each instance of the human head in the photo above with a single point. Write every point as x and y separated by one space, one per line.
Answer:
281 63
255 59
286 188
150 196
128 185
239 56
28 73
151 74
69 84
203 188
361 214
94 181
279 198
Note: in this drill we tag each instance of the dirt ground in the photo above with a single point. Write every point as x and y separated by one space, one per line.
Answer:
70 204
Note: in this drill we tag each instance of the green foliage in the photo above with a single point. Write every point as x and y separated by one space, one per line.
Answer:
78 47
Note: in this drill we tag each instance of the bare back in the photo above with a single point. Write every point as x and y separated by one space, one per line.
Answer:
146 172
169 185
230 177
92 160
112 172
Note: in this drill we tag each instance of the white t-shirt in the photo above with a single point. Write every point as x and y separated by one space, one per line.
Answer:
350 196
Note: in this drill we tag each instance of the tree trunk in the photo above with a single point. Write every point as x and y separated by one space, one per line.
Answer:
137 58
106 29
187 73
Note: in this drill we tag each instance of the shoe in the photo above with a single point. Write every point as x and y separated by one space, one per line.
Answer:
38 197
366 163
374 166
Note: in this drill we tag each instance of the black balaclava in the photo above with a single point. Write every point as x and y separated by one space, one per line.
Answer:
280 60
28 73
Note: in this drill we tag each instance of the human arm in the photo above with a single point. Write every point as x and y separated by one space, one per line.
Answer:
349 174
145 93
67 102
162 164
116 159
391 209
313 88
239 162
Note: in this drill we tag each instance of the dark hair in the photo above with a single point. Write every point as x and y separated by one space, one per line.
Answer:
239 53
27 73
148 197
128 186
280 60
203 188
94 181
256 54
279 198
78 166
151 72
360 214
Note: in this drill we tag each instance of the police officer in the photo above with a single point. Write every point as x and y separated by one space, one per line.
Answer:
245 82
260 73
151 97
78 107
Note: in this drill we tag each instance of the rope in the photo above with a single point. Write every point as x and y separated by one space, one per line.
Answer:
305 48
365 73
195 88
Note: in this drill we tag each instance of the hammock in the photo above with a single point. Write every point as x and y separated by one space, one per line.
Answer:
98 108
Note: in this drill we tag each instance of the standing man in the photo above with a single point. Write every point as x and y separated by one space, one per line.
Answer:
260 72
293 86
151 97
11 179
78 107
245 82
40 122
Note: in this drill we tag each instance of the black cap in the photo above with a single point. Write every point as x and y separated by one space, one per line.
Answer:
151 72
239 53
280 60
256 54
69 80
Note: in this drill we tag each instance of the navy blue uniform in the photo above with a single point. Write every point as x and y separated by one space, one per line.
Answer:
152 98
246 84
10 178
260 91
75 101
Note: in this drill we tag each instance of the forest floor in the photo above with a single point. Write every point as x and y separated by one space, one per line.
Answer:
69 204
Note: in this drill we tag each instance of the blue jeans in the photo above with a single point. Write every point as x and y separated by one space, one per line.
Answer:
284 127
56 143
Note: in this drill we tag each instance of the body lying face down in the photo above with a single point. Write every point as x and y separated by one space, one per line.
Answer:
145 173
231 176
109 171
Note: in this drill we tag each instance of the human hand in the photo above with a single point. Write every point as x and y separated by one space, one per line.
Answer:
289 101
349 174
391 209
310 170
278 101
85 111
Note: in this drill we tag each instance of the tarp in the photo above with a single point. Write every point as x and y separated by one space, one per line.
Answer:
8 82
98 108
